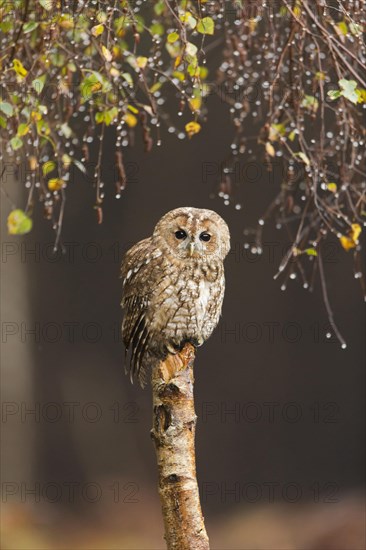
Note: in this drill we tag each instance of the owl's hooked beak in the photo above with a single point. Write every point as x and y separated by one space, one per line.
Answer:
192 247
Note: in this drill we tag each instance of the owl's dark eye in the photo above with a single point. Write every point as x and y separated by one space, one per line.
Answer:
180 234
205 237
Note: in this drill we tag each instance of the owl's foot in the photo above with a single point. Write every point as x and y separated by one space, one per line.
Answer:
196 342
174 348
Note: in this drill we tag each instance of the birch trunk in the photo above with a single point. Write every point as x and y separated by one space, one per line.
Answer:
173 432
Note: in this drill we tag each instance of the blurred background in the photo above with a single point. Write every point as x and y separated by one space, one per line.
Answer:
281 424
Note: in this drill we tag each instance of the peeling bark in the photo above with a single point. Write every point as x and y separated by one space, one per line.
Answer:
173 432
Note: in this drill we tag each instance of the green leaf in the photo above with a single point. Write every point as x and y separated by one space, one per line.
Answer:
58 58
334 94
66 130
38 83
48 167
173 49
107 116
276 131
2 122
206 25
128 78
16 143
99 117
349 89
66 160
191 49
157 28
310 103
6 108
188 19
6 26
120 23
19 223
102 16
283 11
46 4
71 65
30 26
179 75
139 20
172 37
110 115
159 7
355 29
203 72
93 83
155 87
23 129
192 69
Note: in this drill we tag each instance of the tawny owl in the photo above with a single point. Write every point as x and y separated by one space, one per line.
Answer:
173 286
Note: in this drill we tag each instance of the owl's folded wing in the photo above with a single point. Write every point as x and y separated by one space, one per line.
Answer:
138 268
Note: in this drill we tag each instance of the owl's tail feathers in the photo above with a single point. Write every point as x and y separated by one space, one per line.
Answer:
138 341
125 361
138 356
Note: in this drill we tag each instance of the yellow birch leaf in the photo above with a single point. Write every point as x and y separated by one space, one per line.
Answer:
342 26
253 24
19 68
355 231
172 37
55 184
192 128
106 54
130 120
141 61
351 240
114 72
97 30
297 11
33 163
332 187
195 103
132 109
304 158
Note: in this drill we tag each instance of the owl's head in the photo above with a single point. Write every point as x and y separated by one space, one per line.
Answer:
193 233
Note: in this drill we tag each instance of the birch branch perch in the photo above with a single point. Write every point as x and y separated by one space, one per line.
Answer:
173 432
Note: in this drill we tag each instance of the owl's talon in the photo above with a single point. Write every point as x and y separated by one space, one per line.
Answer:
172 349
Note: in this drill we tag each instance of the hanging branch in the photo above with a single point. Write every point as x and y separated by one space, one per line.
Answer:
173 432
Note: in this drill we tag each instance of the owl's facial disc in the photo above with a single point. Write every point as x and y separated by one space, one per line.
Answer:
193 233
192 243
